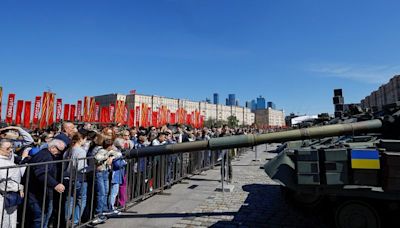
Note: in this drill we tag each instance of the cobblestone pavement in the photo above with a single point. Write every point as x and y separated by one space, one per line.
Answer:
255 202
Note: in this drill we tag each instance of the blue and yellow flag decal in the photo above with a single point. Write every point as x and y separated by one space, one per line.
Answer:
365 159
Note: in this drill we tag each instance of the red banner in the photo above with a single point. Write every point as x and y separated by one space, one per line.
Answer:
66 112
131 120
97 110
112 113
58 109
50 116
79 110
36 111
72 112
148 116
172 118
43 116
1 99
107 115
137 117
27 114
18 113
10 108
155 119
189 119
102 110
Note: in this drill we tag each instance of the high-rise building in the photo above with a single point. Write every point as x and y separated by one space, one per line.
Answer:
253 106
231 99
216 98
208 100
227 101
260 103
237 103
271 104
248 104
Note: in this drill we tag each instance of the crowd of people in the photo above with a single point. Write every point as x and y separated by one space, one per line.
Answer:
54 167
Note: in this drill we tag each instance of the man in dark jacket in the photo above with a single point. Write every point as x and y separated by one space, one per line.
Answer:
43 182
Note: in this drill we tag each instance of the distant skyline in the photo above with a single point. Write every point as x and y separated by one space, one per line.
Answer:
293 53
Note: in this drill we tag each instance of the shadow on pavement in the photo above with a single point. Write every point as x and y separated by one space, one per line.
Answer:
171 215
266 207
200 179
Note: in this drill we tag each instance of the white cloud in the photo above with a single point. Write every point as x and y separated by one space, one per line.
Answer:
366 74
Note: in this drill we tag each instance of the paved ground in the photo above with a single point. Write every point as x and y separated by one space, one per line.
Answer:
255 202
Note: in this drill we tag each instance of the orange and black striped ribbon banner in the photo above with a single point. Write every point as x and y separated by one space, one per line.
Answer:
58 109
10 108
79 110
167 117
86 103
125 114
92 111
43 116
143 120
18 113
1 99
27 114
66 112
50 117
36 111
118 110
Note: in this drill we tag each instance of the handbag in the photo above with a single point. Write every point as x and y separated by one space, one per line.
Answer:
12 199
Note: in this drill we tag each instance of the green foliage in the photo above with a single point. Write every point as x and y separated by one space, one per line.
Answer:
233 122
210 122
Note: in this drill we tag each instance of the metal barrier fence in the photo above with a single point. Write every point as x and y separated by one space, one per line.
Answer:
91 191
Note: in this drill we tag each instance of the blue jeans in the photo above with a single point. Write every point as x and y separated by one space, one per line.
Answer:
80 203
102 187
36 211
113 195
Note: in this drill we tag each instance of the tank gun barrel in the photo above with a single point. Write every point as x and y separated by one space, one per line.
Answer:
253 139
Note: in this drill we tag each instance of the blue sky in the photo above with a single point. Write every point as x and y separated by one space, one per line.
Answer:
293 53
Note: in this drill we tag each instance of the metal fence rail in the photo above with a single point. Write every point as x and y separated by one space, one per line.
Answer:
76 206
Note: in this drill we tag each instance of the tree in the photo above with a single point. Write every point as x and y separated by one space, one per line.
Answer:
210 123
233 122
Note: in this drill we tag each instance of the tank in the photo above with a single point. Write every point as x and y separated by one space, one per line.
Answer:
253 139
353 165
